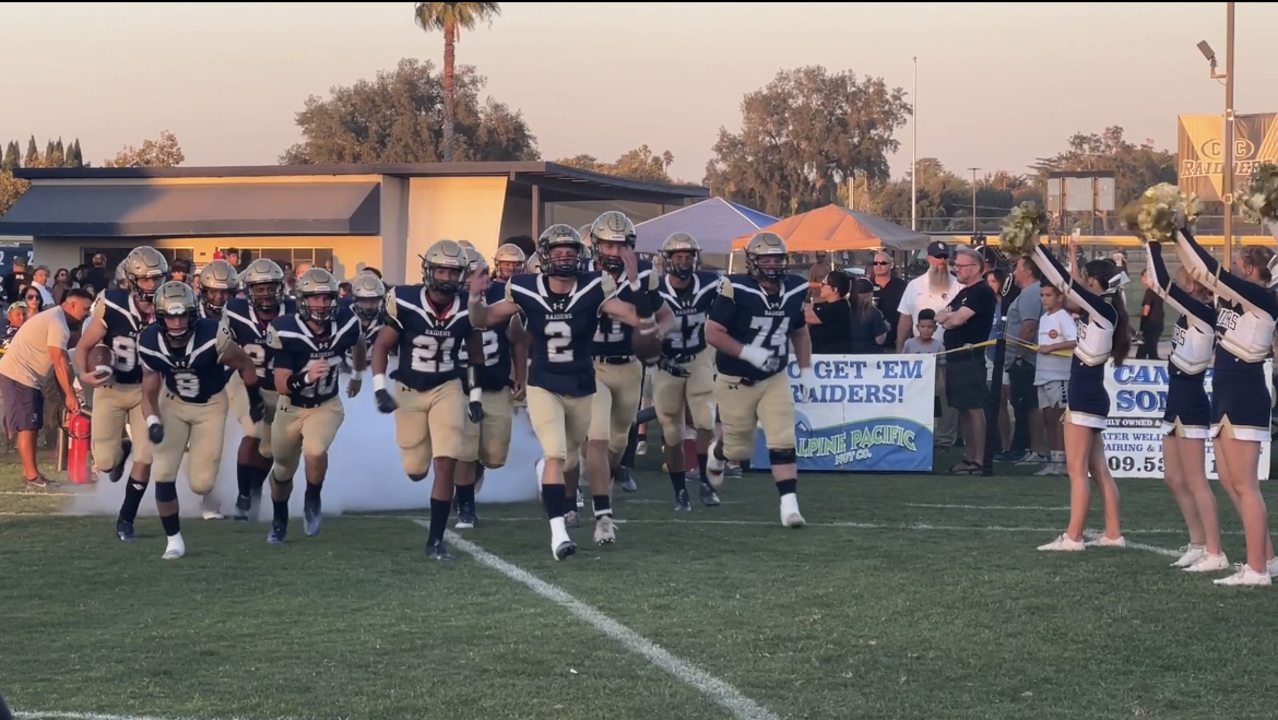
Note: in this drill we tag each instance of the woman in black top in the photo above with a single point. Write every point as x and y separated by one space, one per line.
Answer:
831 319
869 328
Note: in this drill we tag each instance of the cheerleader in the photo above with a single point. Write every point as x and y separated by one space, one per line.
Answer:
1102 334
1240 403
1188 416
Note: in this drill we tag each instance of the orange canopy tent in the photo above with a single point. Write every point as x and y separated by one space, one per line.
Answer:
837 228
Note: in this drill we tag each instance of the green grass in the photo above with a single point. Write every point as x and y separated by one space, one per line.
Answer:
831 621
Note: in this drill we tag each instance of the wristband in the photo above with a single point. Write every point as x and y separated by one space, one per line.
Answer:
297 381
152 421
254 392
634 285
642 307
476 394
379 382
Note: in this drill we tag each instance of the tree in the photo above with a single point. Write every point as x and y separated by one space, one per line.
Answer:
638 164
451 18
56 156
11 188
945 199
803 135
165 152
75 158
33 154
12 161
1135 167
399 118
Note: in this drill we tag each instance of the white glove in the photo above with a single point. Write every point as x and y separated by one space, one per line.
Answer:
759 357
807 384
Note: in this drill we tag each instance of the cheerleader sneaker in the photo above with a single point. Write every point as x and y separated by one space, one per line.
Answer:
1272 566
1210 563
1245 576
1189 555
1063 544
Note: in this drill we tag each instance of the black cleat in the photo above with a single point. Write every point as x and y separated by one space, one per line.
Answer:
279 533
311 510
124 531
564 549
435 550
466 518
681 503
243 506
626 481
117 472
709 497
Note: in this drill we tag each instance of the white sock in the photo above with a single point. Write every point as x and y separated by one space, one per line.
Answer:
558 532
790 502
176 543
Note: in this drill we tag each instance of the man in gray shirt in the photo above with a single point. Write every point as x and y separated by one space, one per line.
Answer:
1022 325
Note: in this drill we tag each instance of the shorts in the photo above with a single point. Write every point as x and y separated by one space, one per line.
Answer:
965 384
1052 395
23 406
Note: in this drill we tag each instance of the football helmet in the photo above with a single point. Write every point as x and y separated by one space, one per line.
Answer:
509 260
560 236
681 242
175 308
611 230
766 257
370 296
142 264
317 295
445 255
263 281
218 283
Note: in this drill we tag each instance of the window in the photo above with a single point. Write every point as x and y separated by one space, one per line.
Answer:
282 256
114 256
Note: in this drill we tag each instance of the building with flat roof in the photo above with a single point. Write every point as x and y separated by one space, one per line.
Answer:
377 215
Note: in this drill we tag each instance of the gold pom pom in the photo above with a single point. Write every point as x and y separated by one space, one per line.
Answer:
1022 228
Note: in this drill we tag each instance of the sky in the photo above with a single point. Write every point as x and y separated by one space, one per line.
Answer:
998 84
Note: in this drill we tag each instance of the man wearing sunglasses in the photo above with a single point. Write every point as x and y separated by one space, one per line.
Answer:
888 289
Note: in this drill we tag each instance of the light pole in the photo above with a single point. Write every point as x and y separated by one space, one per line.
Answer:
914 151
973 169
1227 152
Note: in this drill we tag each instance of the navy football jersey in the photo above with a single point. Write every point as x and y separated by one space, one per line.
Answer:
194 373
430 341
563 329
614 338
691 306
753 317
249 332
295 346
124 324
494 374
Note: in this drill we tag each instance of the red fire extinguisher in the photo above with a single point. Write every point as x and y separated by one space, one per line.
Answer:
78 446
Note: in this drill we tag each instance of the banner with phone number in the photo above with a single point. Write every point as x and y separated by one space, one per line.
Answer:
1134 438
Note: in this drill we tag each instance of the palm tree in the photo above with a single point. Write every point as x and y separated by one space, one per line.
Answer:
451 18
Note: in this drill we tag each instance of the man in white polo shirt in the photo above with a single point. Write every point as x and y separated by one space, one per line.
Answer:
931 291
36 352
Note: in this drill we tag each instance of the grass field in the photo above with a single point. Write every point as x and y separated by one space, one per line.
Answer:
906 597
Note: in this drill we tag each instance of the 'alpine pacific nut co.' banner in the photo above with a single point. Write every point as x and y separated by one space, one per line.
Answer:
1137 401
869 413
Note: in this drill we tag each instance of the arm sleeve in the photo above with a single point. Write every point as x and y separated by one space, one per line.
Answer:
1163 286
1057 276
1205 268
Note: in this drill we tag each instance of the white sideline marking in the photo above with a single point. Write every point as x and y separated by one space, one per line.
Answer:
987 507
65 715
37 493
1092 535
655 501
723 694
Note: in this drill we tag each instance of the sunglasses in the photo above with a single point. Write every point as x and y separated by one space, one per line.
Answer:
880 262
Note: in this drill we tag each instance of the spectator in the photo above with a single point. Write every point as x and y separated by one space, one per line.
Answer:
967 321
17 279
998 416
931 291
1151 324
1057 332
888 289
180 271
831 316
1029 444
926 344
99 277
40 280
817 274
869 329
39 349
232 255
61 284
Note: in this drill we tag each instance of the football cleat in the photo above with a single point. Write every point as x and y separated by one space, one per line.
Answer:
572 519
117 472
243 506
605 531
564 549
313 516
465 516
124 531
709 497
279 533
626 481
435 550
681 503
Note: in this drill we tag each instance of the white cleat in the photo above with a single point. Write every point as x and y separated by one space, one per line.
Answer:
1063 544
176 548
1245 576
1210 563
1102 541
605 530
1190 554
715 466
790 516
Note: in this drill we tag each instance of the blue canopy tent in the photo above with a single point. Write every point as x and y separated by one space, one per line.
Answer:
714 223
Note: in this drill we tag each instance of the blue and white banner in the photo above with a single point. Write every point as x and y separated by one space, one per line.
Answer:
870 413
1134 436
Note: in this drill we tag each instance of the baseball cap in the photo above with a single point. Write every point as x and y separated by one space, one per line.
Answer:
938 249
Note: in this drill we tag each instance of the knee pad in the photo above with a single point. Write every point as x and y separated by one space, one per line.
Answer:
782 457
417 477
166 492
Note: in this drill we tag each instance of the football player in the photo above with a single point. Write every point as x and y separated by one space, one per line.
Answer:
429 325
218 283
118 318
618 373
562 306
308 349
249 320
509 261
189 356
684 381
753 323
368 299
498 368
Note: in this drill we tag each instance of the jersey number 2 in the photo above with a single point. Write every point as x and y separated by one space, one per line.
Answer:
558 342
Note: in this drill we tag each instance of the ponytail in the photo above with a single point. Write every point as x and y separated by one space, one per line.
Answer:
1122 329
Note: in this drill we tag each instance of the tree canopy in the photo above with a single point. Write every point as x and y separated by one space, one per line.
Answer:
638 164
164 152
56 154
399 118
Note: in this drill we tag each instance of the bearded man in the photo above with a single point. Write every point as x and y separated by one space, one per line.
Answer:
931 291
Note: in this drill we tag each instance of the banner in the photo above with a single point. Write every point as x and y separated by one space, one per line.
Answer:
870 413
10 250
1134 438
1200 145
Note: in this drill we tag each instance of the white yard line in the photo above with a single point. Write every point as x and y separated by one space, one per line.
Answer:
37 493
723 694
64 715
1092 535
987 507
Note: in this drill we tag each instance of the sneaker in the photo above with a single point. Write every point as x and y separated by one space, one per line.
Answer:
1033 458
605 531
313 515
1063 544
124 531
1244 575
210 508
1052 470
279 533
564 549
1103 541
625 480
1011 456
641 447
1272 565
1210 563
1189 555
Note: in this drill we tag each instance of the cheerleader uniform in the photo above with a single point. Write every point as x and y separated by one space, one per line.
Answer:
1087 401
1245 317
1188 413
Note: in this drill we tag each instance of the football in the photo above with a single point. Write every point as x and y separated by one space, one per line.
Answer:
647 347
99 355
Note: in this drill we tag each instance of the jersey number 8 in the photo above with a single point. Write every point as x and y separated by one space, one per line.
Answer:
125 350
188 384
257 354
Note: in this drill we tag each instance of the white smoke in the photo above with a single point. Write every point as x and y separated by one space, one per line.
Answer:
364 472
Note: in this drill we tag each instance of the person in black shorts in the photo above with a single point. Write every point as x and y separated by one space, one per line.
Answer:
967 321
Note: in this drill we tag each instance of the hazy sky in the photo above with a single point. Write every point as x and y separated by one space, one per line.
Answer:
998 84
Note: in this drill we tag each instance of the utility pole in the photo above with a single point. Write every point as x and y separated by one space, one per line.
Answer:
914 151
1227 172
973 169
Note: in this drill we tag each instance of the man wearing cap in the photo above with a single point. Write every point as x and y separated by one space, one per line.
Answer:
931 291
